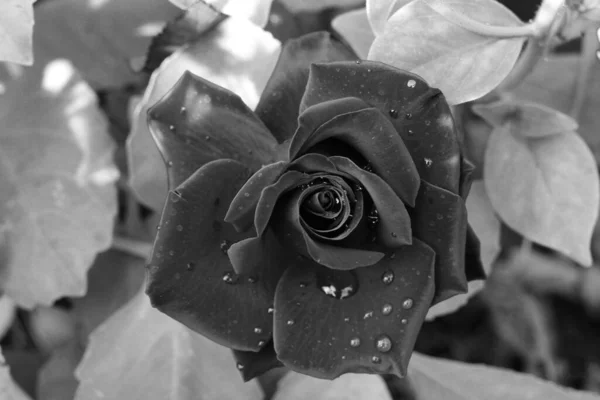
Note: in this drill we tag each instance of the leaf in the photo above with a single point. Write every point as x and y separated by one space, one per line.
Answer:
140 353
296 386
9 390
434 378
378 12
553 83
113 280
543 184
103 39
256 11
487 227
57 176
303 6
237 55
16 31
354 28
423 38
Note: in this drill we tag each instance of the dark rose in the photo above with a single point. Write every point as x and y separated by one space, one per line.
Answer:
317 231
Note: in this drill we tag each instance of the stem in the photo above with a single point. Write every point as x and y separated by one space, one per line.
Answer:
531 56
131 246
586 63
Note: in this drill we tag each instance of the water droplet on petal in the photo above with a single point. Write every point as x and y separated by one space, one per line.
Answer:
427 122
394 234
387 309
368 315
411 83
358 61
261 343
290 322
225 246
387 277
346 319
252 279
338 284
404 321
229 278
172 127
407 304
270 310
383 344
257 330
182 110
376 360
240 366
246 194
190 266
393 113
179 228
428 162
355 342
408 116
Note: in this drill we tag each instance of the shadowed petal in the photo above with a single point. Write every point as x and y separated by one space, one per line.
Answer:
197 122
252 364
324 336
440 220
280 102
190 276
375 138
242 208
419 113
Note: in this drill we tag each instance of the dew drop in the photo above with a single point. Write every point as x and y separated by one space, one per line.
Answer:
246 194
368 315
387 277
404 321
355 342
182 110
346 319
270 310
410 132
179 228
387 309
257 331
252 279
169 163
229 278
383 344
358 61
407 304
225 246
376 360
171 253
261 343
408 116
428 162
439 217
427 122
189 266
172 127
290 322
240 366
394 234
393 113
338 284
207 138
411 83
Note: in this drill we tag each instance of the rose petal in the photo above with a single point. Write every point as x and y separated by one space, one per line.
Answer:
252 255
419 113
329 255
189 271
375 138
440 220
242 208
252 364
198 122
393 228
314 332
280 102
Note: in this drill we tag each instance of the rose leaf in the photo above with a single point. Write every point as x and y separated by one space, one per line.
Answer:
16 31
423 38
354 28
178 364
58 192
295 386
434 378
215 58
379 11
544 187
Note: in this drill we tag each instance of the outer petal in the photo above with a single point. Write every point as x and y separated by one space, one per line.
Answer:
242 208
190 276
419 113
198 122
280 101
252 364
373 136
316 334
440 220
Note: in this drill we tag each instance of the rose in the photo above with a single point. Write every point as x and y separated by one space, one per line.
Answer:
350 227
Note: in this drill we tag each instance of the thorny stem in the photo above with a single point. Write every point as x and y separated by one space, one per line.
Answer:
586 63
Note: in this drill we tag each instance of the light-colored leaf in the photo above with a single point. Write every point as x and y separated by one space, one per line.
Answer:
141 353
296 386
57 176
546 188
237 55
299 6
487 227
354 28
379 11
256 11
434 379
16 31
56 379
553 83
421 37
102 38
9 390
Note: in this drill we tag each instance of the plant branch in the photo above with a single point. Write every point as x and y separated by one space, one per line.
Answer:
589 47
